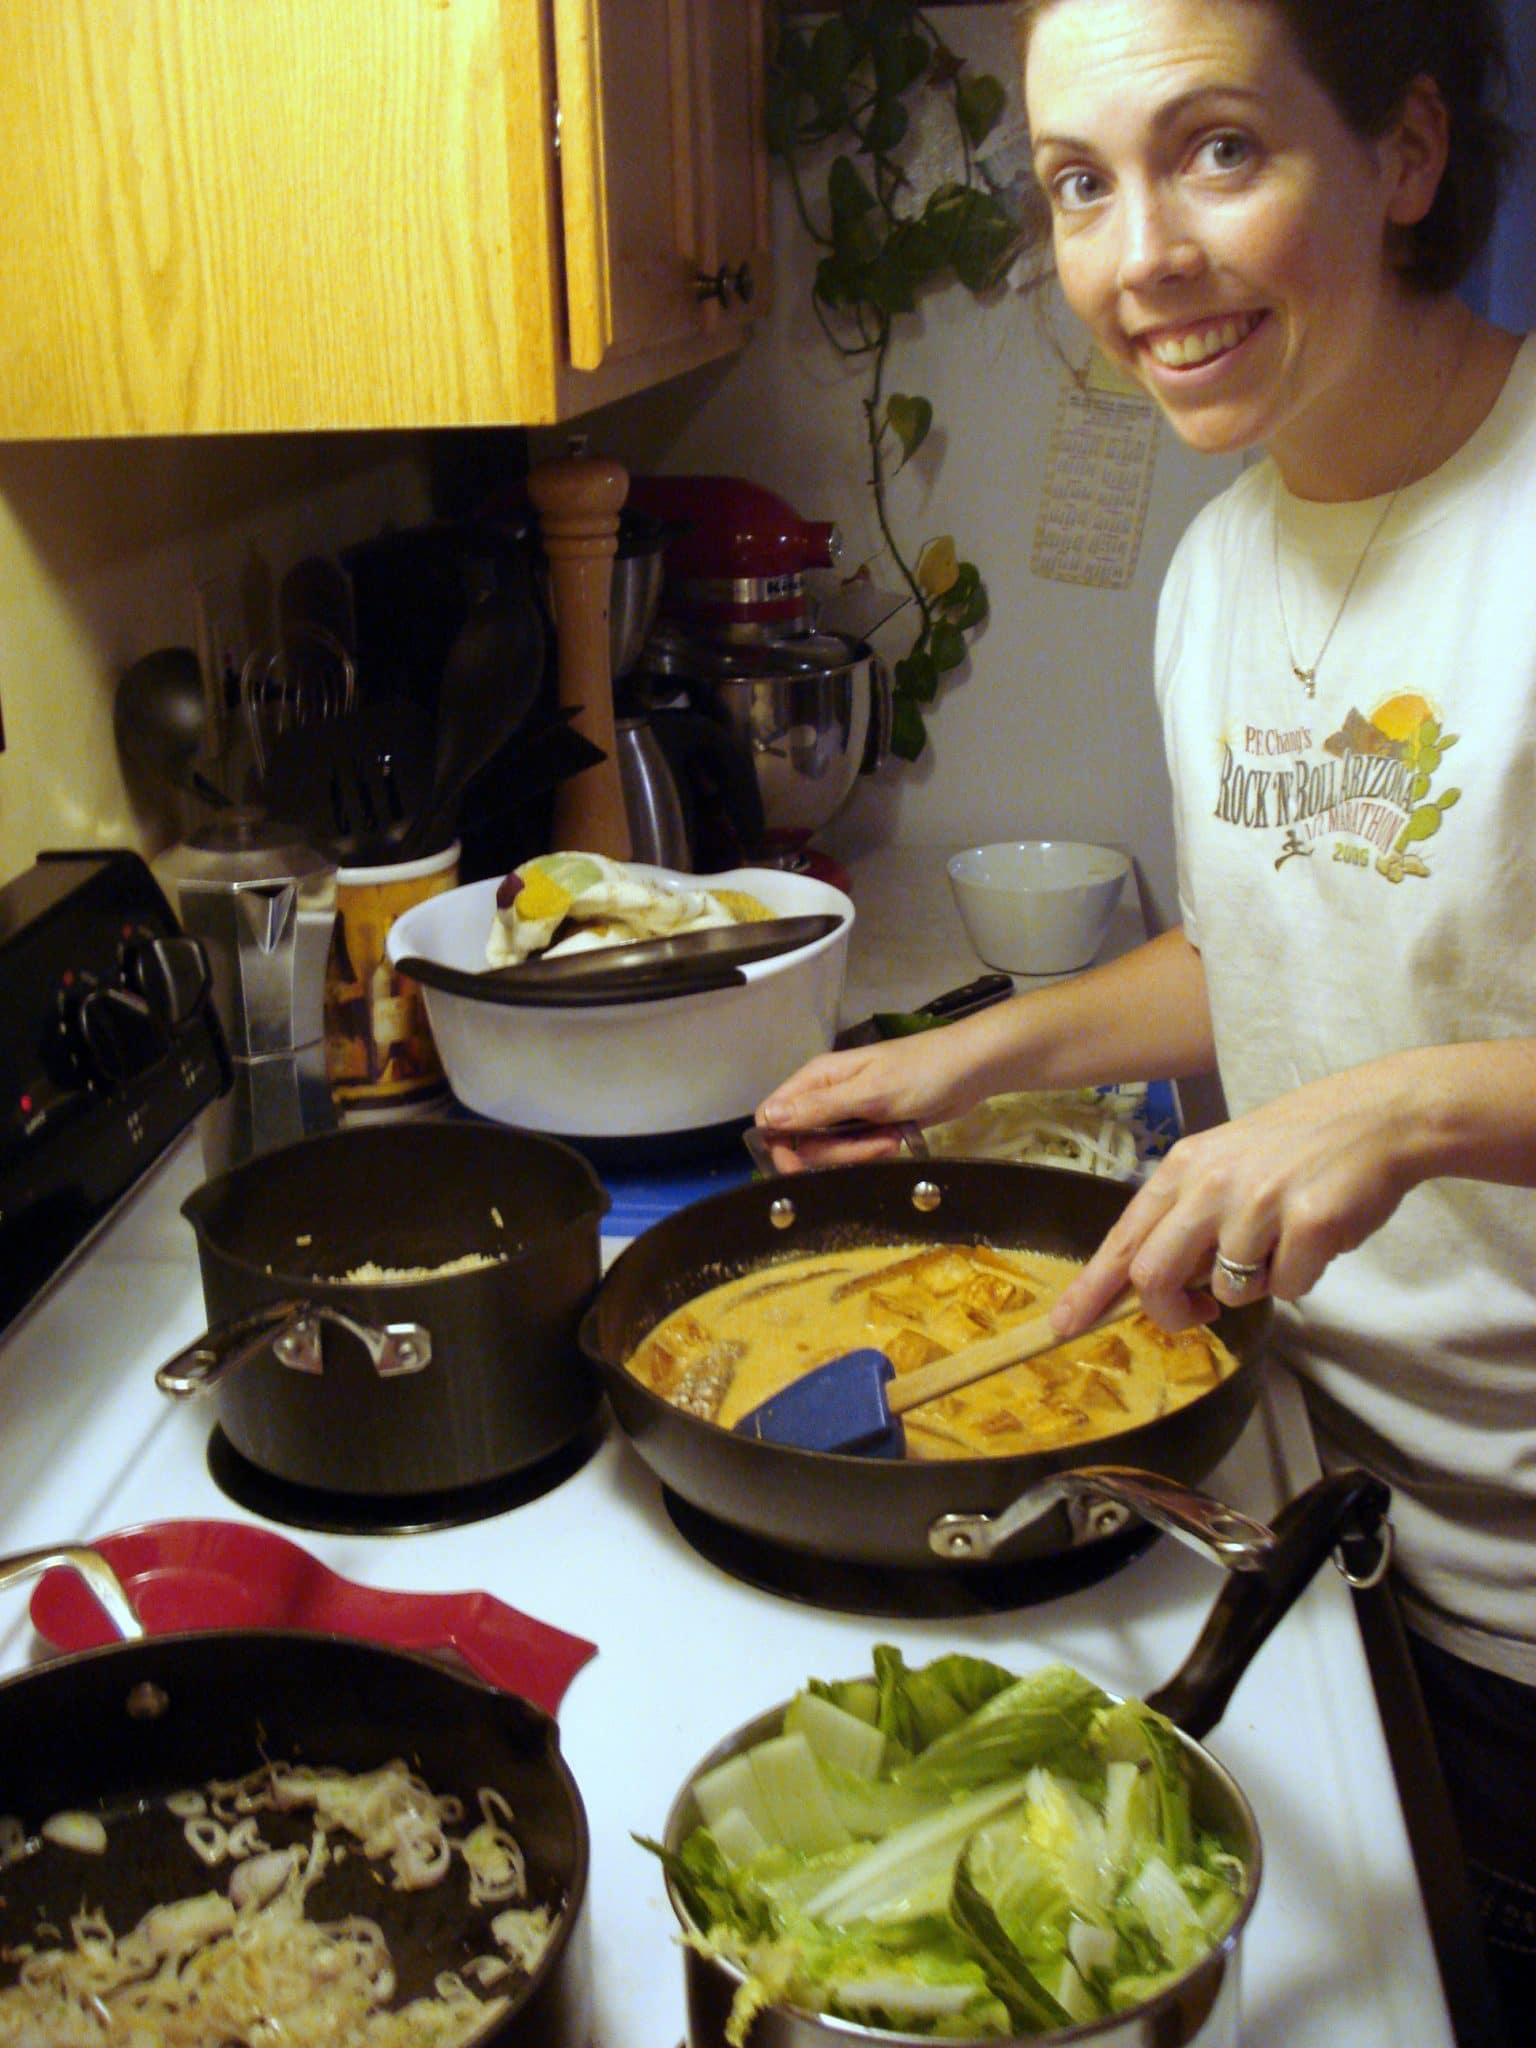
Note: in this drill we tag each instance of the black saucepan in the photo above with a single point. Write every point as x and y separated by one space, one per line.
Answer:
869 1510
108 1730
401 1386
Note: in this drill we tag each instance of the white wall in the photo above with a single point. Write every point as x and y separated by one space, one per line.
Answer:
1050 728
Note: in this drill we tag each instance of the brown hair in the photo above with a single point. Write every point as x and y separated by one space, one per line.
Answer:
1365 54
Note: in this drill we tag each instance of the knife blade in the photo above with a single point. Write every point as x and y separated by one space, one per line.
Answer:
944 1009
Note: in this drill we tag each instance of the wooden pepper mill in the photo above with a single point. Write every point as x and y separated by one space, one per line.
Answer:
578 499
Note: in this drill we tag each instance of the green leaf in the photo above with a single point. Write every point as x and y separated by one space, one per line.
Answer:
886 126
985 242
965 602
909 420
1030 2006
979 103
847 194
921 251
838 282
900 55
887 285
1032 1721
947 645
916 676
908 733
829 61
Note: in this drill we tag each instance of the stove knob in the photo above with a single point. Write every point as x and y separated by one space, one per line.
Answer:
116 1034
171 974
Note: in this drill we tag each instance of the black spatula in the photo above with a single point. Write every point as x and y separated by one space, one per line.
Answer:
353 782
855 1403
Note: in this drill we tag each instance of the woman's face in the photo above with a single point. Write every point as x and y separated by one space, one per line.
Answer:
1218 227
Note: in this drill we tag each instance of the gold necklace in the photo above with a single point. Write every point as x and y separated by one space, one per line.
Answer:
1307 676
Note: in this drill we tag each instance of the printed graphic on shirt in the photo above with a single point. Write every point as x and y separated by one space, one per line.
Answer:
1364 793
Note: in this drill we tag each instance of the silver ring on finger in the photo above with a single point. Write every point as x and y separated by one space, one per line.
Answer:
1238 1273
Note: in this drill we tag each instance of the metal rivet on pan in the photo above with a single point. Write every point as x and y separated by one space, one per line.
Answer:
926 1195
781 1212
1107 1518
147 1701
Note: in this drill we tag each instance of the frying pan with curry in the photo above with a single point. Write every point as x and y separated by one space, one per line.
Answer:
878 1511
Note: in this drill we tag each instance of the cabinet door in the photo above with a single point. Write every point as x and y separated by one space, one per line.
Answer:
235 215
733 229
662 164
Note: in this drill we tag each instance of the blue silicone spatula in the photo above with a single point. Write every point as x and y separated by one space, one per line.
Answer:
855 1403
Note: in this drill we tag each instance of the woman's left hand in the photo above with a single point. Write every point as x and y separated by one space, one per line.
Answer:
1260 1205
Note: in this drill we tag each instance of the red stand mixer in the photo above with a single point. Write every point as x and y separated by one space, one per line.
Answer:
736 641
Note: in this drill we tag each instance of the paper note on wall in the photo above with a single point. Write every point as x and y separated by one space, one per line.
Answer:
1098 479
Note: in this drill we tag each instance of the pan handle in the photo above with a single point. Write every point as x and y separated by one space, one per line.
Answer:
1345 1511
92 1567
757 1143
291 1330
1100 1500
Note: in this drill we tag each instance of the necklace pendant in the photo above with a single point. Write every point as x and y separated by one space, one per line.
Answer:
1307 677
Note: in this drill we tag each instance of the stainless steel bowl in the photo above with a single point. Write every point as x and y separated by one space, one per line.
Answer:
1198 2010
812 711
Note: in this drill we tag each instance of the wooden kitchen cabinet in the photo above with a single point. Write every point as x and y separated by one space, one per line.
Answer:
230 216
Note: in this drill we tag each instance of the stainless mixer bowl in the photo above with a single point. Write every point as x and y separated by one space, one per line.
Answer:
811 710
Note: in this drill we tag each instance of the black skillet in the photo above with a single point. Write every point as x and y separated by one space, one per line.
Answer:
878 1511
109 1729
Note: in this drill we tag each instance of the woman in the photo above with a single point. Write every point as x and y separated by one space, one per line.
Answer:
1261 208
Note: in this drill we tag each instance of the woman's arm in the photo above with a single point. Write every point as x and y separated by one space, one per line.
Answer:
1289 1187
1141 1017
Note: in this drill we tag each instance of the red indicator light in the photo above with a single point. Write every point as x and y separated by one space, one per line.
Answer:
27 1105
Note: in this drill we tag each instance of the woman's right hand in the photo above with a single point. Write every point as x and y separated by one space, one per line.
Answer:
878 1088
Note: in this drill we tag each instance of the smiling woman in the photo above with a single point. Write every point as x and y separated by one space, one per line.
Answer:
1260 209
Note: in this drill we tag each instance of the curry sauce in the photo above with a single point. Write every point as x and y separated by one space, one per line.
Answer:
730 1349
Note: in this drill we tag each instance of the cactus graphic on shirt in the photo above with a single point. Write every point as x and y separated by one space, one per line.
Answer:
1426 751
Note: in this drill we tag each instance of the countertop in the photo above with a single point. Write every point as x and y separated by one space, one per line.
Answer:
1338 1950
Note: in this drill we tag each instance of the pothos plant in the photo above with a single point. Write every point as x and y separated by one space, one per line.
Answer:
841 100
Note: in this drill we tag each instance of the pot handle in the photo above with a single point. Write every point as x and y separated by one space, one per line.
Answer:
1100 1501
913 1141
92 1567
1345 1511
291 1330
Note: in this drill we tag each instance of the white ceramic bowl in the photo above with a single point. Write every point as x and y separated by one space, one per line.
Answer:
1038 906
626 1071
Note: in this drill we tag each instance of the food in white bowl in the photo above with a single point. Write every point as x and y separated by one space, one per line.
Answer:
560 903
1038 906
630 1070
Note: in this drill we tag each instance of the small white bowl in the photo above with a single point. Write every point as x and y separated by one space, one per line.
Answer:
1038 906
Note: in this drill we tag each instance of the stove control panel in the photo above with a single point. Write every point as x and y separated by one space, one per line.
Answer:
109 1047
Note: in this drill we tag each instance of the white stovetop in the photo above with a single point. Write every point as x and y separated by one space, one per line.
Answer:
1338 1950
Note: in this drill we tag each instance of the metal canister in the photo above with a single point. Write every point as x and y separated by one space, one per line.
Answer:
263 904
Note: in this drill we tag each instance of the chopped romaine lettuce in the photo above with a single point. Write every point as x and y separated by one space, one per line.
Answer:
955 1851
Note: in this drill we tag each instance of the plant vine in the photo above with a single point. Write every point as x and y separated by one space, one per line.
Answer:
840 99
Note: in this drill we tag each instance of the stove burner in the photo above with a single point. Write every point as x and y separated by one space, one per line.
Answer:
900 1591
389 1514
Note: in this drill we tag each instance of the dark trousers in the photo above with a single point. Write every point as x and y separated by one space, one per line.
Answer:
1484 1730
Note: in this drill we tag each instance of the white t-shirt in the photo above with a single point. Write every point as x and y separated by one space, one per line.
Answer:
1358 870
